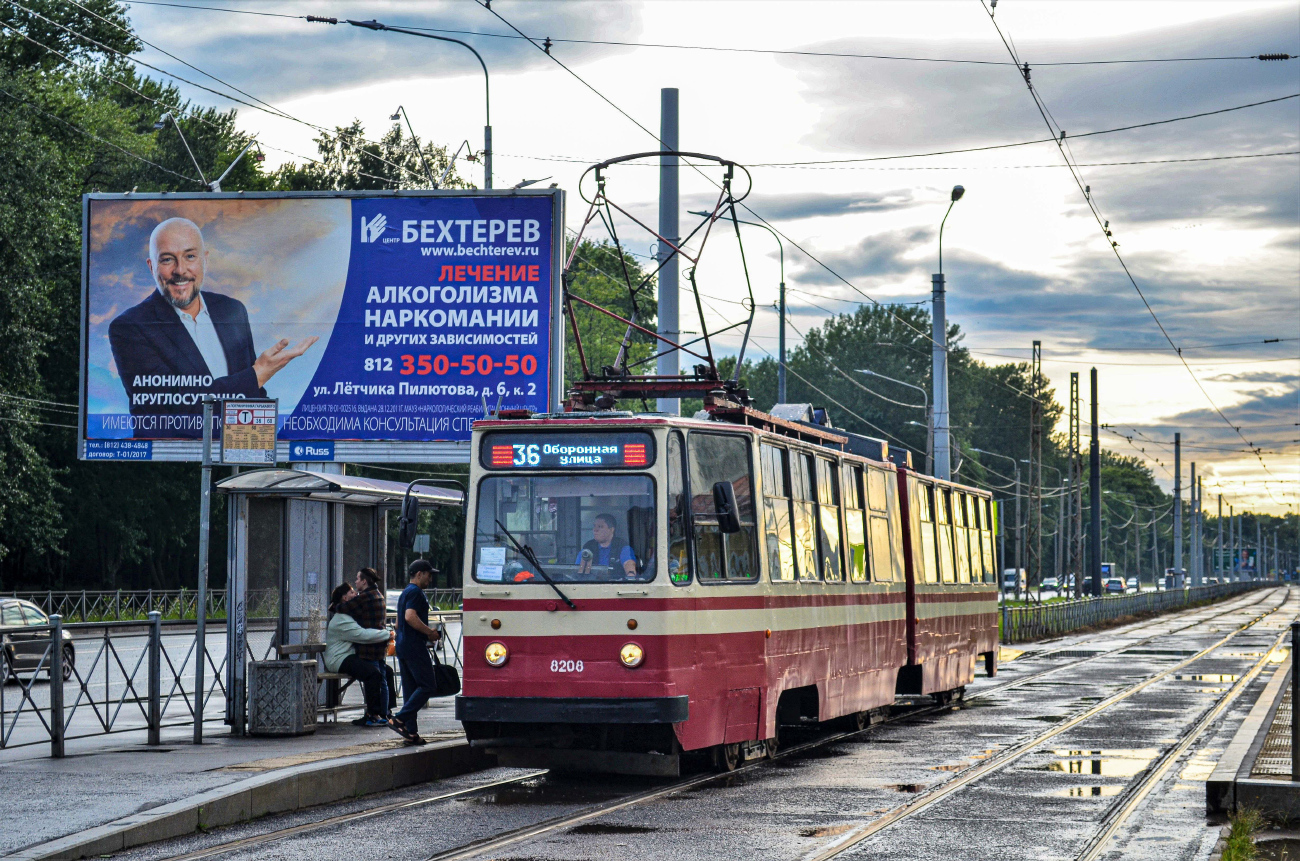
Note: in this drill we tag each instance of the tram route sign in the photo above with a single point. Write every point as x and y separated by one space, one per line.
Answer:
381 322
248 432
630 450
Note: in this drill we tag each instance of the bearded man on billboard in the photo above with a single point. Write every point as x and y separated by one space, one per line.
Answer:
183 342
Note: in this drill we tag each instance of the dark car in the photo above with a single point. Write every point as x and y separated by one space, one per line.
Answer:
23 642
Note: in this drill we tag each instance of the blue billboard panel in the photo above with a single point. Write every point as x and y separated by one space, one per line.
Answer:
370 318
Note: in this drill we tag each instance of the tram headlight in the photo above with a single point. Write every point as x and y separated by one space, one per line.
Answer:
631 655
496 654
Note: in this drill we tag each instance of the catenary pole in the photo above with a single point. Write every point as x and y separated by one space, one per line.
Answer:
1178 502
1094 495
201 613
669 364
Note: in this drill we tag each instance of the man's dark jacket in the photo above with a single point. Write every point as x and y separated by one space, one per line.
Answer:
149 339
371 611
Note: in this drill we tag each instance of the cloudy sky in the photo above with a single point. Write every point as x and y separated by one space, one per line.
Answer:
1208 222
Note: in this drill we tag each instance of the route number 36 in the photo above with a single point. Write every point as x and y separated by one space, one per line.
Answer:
526 455
566 666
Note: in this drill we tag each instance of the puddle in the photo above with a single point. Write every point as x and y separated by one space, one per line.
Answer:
1089 791
610 828
1287 849
1208 677
1049 718
1118 762
1006 655
905 787
827 830
542 791
1279 655
1201 765
1243 654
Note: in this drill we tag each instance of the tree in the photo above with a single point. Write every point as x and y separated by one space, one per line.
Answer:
601 275
349 161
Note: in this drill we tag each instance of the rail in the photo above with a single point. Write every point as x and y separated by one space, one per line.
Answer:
125 676
136 605
1023 624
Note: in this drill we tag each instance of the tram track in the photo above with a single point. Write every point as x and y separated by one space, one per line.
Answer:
903 714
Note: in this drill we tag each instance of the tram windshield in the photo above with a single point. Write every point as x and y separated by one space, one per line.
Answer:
582 528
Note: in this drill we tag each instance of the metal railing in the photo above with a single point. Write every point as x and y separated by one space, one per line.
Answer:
1022 624
129 676
127 605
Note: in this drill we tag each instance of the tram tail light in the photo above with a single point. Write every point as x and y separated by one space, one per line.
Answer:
496 654
634 454
631 655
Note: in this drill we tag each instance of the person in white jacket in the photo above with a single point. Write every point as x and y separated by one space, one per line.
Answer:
341 635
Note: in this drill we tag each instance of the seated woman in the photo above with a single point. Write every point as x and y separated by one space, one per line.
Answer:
341 635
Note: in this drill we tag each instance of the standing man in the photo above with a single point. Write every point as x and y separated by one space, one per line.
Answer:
413 638
370 610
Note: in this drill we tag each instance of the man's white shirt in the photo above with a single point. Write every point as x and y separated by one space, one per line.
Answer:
205 338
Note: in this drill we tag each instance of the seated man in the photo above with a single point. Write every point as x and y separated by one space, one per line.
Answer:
601 549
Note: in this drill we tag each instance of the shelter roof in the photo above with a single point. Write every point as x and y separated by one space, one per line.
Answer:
328 487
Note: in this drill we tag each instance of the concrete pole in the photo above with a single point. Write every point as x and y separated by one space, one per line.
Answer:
1094 495
201 610
1259 549
1232 545
1178 501
669 321
1218 545
939 382
1193 569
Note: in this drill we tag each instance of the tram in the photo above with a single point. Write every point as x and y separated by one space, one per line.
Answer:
641 590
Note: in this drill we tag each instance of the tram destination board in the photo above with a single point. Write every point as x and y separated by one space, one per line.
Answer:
568 451
380 321
248 431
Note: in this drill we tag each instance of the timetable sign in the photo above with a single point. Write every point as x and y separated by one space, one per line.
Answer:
248 431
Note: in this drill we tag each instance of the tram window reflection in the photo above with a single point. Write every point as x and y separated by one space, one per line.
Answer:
855 533
720 556
679 556
943 528
778 543
929 555
828 522
566 520
801 492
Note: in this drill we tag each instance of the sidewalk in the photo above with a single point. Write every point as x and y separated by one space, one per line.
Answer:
1255 769
115 785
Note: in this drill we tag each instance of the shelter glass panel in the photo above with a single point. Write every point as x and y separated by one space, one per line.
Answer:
265 556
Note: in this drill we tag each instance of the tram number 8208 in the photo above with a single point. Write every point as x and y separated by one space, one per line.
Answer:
566 666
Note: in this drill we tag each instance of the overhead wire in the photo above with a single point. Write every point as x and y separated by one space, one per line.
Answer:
1054 128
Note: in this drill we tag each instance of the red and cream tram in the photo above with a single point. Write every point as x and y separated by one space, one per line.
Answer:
641 587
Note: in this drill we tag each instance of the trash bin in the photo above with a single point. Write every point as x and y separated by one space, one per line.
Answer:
281 697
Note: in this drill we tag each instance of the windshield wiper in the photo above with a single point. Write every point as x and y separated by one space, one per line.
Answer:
527 553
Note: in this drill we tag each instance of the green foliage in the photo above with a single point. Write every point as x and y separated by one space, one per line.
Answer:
1240 845
602 276
349 161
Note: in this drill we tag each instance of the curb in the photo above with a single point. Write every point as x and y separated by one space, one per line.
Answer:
277 792
1230 786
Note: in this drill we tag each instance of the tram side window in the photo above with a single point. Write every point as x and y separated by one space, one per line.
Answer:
719 556
929 559
778 542
986 539
943 528
679 557
882 548
802 501
961 537
855 533
828 521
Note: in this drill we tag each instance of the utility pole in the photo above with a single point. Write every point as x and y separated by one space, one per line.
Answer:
669 364
1218 544
1192 522
939 363
1094 495
1232 545
1036 467
201 606
1076 489
1259 549
1178 502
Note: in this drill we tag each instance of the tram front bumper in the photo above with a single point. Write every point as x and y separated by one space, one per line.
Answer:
579 710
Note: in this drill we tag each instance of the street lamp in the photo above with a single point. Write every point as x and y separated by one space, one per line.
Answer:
1015 463
925 405
487 93
780 364
939 334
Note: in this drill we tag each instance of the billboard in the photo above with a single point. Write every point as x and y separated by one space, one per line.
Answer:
380 322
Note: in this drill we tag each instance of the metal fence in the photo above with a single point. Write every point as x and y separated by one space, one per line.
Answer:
1022 624
120 605
130 676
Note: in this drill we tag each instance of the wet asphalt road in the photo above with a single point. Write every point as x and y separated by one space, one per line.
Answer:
1047 802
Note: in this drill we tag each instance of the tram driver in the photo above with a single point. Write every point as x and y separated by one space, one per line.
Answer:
601 550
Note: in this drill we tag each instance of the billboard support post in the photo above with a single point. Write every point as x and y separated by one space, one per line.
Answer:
201 607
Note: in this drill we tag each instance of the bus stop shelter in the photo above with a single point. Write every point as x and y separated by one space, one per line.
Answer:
294 534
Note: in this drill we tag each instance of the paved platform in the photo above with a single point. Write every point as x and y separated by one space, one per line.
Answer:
112 785
1255 770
